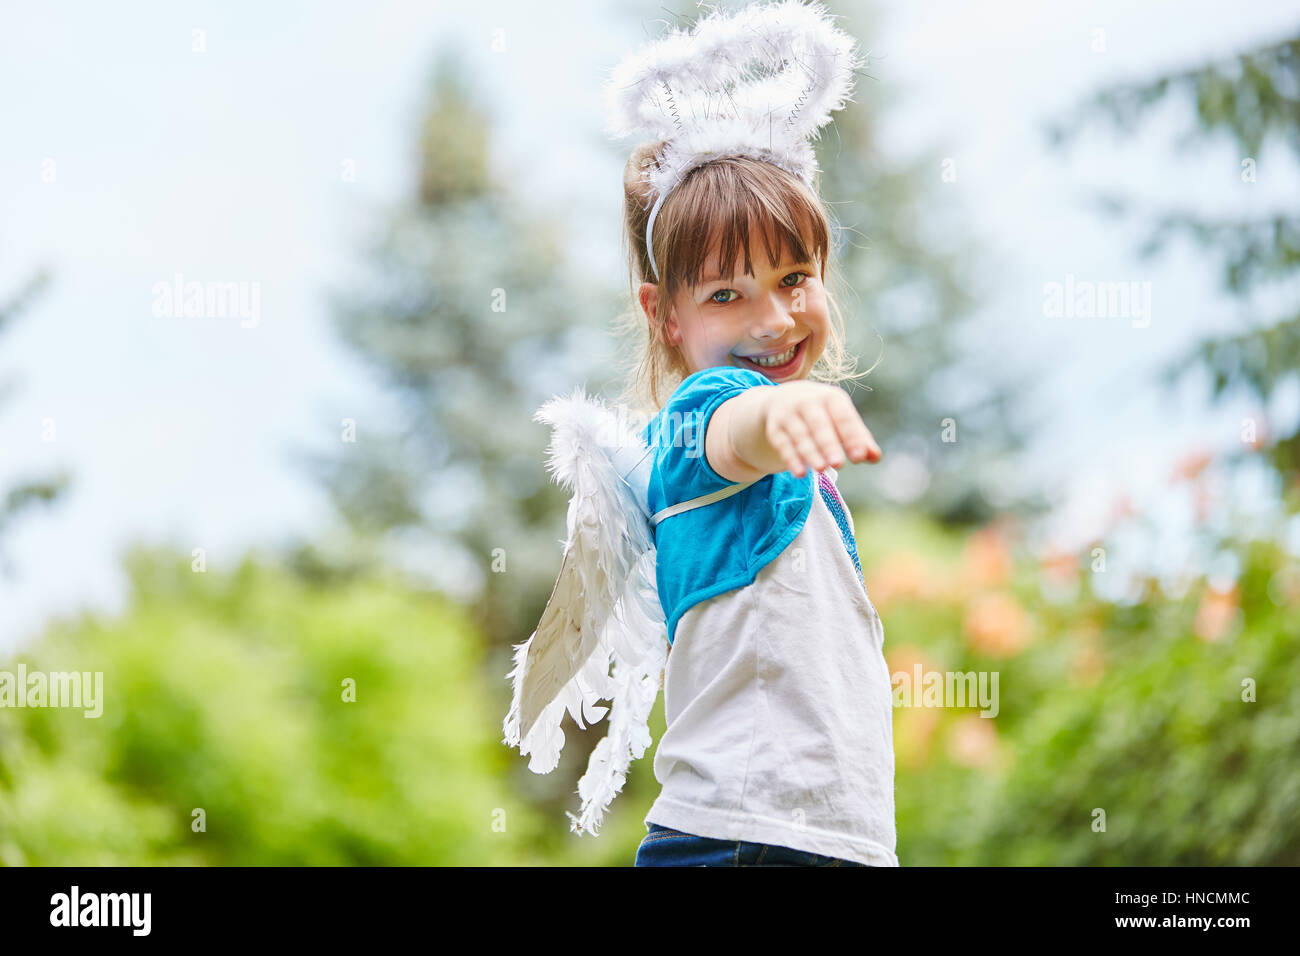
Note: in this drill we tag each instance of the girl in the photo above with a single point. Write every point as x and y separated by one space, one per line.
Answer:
779 742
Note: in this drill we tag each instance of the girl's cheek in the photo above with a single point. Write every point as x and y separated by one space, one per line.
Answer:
717 339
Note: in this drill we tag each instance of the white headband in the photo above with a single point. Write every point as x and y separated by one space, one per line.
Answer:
761 82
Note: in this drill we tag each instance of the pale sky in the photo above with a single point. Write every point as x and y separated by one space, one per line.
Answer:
131 157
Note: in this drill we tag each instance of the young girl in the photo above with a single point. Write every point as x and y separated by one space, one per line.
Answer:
779 740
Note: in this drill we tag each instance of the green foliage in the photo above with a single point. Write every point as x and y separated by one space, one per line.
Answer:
1251 96
468 321
1252 99
1185 770
225 692
21 497
1134 709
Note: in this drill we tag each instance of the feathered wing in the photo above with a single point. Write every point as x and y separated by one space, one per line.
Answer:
603 613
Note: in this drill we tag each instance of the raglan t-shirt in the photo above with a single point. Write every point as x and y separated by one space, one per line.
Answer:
709 550
777 694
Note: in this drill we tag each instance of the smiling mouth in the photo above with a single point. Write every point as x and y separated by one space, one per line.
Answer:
781 363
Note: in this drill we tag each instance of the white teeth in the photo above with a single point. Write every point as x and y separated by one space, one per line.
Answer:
777 359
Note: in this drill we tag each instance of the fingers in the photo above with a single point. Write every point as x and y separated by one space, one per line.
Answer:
853 433
798 447
824 436
784 446
812 436
823 433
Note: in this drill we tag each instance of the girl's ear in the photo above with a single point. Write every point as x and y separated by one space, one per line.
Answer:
648 294
672 335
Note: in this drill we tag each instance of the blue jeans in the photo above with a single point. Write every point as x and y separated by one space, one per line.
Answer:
663 846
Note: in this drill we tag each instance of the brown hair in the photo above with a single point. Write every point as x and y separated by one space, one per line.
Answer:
719 201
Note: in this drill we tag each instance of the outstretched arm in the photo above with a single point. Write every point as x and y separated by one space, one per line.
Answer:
794 426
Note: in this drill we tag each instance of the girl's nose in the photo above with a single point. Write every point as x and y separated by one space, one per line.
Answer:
774 324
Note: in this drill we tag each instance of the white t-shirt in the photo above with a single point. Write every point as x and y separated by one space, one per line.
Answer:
780 710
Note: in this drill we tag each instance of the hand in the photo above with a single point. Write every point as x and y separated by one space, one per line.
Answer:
813 425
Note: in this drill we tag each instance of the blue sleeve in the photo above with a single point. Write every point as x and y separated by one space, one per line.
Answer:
677 433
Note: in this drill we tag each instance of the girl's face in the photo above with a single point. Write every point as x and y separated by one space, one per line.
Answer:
773 322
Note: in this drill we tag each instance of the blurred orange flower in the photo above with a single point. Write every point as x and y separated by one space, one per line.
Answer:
1216 614
1190 466
1059 576
996 624
1060 567
986 559
973 742
904 575
904 658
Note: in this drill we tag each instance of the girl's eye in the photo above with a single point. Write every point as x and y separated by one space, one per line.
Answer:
789 285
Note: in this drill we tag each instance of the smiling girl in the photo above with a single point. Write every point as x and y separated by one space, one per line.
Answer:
779 741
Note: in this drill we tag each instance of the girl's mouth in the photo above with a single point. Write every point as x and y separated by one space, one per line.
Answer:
785 368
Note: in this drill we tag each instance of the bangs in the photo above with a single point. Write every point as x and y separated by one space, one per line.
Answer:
726 215
724 204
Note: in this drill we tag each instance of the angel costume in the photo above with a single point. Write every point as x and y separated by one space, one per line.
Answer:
777 695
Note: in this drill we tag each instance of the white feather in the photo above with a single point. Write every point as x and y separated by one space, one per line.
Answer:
761 81
604 610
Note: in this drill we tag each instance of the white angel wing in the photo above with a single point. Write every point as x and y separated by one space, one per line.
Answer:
603 612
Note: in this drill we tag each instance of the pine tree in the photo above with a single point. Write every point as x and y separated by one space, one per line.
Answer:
1251 98
27 492
470 324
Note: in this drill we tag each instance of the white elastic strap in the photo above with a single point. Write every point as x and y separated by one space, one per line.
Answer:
649 225
699 502
689 165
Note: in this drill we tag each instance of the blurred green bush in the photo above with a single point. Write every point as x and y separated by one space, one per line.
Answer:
224 691
1139 710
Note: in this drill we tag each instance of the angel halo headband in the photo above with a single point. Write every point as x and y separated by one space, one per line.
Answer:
761 83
